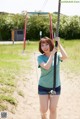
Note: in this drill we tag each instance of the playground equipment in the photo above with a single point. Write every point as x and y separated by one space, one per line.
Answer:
51 27
40 33
25 23
53 92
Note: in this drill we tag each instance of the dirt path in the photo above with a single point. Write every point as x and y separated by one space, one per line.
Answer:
28 106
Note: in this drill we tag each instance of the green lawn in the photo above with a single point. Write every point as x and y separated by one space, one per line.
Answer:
13 62
72 64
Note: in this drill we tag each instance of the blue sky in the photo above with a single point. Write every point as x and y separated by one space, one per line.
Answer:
17 6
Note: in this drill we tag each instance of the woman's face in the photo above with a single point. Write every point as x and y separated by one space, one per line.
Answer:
45 47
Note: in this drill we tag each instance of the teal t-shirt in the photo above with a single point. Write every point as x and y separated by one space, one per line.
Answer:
46 77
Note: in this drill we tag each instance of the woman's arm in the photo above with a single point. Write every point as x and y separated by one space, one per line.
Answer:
47 65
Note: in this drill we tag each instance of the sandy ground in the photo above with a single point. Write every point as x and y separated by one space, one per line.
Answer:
28 106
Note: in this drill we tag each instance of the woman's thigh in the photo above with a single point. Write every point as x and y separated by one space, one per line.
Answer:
43 102
54 102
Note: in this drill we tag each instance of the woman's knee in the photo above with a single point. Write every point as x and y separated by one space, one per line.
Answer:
52 109
44 109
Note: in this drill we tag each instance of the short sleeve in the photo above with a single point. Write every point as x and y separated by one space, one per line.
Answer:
40 60
59 56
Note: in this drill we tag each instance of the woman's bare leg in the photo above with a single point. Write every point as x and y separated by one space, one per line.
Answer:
43 105
53 106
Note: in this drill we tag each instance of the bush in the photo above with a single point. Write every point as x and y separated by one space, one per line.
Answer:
69 26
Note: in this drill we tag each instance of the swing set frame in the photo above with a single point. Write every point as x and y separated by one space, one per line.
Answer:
52 92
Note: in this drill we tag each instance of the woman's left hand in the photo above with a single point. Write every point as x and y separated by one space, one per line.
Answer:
58 40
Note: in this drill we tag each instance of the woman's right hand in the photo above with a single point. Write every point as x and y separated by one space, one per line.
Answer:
55 49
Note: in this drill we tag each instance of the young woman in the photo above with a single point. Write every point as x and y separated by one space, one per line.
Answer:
46 63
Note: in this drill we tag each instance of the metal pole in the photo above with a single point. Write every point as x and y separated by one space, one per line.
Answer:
56 44
24 45
53 92
51 28
40 33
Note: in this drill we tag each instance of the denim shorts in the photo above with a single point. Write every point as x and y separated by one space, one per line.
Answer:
45 91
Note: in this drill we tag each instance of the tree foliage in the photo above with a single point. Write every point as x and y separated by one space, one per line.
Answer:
69 26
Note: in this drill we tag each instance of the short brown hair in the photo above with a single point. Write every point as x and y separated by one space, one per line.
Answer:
46 40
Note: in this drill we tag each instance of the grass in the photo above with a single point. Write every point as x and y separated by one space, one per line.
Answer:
8 98
72 48
13 63
20 92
